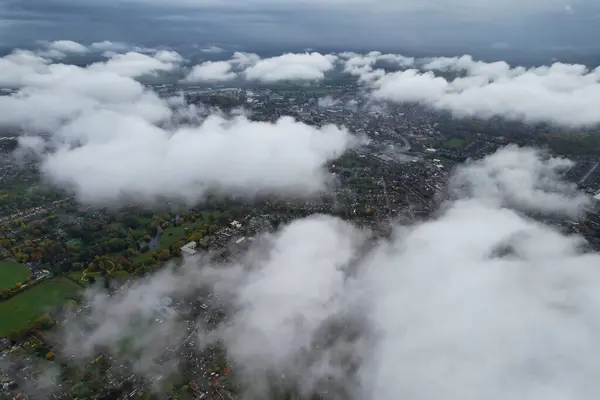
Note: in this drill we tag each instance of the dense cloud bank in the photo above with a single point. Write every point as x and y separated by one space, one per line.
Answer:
564 94
228 157
527 180
559 93
478 302
102 134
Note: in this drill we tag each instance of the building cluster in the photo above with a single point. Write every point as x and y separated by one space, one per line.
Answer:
401 174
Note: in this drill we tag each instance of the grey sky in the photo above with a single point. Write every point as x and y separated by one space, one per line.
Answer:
429 25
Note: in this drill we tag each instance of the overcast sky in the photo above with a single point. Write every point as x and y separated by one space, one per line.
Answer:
428 25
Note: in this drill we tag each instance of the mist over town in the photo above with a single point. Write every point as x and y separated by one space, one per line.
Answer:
222 201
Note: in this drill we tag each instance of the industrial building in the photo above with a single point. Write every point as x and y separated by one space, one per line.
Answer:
189 249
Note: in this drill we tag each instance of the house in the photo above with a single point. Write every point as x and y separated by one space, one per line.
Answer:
197 389
189 249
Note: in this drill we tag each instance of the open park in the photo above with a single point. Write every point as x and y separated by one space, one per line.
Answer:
12 273
20 310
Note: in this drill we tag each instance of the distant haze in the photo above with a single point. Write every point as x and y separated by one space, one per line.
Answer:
387 25
89 113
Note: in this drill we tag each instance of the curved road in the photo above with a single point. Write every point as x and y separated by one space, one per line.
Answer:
406 146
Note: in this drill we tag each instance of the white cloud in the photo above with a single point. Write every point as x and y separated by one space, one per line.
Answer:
211 71
560 93
361 65
20 64
67 46
290 66
523 179
327 101
60 92
139 308
478 302
212 49
307 66
51 54
242 59
107 45
133 64
168 56
236 157
456 321
303 285
95 113
564 94
466 63
355 63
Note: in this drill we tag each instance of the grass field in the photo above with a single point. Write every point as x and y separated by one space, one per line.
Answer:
11 273
77 275
173 234
20 310
169 236
455 144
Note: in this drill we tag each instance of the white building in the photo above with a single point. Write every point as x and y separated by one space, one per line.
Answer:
236 225
189 249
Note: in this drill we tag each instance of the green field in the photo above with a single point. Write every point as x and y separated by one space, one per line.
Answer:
12 272
174 233
20 310
170 236
454 144
77 275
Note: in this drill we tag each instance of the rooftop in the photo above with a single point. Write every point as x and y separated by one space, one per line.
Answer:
189 248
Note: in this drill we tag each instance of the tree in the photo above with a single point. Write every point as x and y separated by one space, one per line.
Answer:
16 335
210 218
164 255
131 221
71 304
22 257
43 322
122 275
196 237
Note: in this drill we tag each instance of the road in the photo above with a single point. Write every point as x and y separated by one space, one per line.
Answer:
406 145
590 172
387 197
224 394
31 212
185 340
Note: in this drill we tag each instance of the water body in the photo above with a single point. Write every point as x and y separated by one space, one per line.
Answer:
154 243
